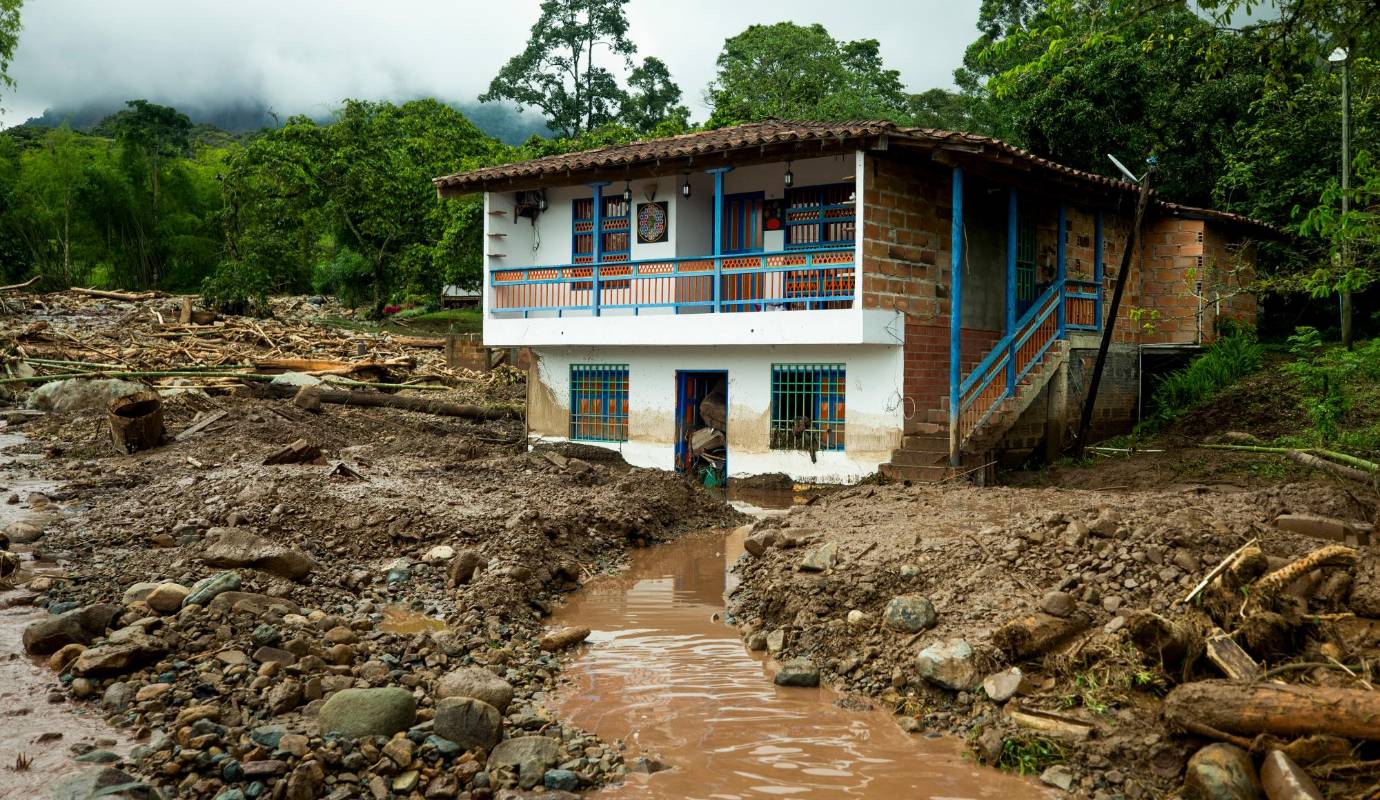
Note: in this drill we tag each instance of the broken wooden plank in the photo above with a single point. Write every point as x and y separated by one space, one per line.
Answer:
1234 662
1057 725
298 452
1038 633
199 426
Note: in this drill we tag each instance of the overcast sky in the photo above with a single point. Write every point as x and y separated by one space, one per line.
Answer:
304 56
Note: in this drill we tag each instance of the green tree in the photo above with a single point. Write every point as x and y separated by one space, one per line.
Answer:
556 72
653 98
792 71
940 108
9 38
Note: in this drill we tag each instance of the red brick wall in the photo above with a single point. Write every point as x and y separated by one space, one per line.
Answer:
926 383
905 246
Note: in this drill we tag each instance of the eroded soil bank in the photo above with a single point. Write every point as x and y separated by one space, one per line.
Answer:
700 716
1045 624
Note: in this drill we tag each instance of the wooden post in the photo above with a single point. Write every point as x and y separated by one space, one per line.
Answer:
1085 422
955 315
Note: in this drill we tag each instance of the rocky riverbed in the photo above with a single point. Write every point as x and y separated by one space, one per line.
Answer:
306 630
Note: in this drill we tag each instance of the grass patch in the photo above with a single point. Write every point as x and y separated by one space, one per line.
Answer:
417 322
1225 362
1030 755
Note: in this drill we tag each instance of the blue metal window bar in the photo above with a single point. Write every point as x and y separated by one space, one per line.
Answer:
820 216
807 406
599 402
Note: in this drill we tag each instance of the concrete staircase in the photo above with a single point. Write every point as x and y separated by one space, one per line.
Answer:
923 456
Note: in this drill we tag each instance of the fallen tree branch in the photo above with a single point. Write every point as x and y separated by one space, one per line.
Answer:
1309 460
127 297
24 285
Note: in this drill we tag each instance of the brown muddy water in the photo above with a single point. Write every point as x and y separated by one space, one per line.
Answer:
37 722
663 673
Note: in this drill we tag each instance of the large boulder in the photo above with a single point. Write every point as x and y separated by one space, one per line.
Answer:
24 531
78 626
252 603
472 724
368 712
948 664
1221 772
107 783
234 547
797 672
166 598
80 394
476 682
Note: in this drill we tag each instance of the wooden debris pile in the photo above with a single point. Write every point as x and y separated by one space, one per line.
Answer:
167 340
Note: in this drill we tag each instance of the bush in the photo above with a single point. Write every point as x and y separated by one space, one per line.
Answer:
237 288
1329 378
1228 360
348 276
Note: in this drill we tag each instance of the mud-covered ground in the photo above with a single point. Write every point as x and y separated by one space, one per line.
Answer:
416 547
1097 549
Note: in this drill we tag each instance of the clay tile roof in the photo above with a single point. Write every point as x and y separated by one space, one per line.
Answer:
757 135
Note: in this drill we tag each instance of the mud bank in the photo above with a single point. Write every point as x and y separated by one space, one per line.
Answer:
1025 620
243 598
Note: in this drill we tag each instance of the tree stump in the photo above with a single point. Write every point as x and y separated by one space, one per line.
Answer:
136 422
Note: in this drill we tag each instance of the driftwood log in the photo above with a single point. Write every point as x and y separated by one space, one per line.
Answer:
1038 633
1285 710
136 422
405 403
128 297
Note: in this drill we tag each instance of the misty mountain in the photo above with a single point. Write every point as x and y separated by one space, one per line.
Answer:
501 121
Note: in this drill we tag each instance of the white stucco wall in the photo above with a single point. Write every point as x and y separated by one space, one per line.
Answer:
873 400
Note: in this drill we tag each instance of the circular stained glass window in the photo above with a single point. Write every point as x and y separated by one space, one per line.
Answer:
651 223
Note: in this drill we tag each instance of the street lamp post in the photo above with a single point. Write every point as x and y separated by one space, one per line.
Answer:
1340 56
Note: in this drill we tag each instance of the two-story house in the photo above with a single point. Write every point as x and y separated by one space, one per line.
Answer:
828 299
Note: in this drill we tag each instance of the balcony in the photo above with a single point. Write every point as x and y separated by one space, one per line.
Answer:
793 280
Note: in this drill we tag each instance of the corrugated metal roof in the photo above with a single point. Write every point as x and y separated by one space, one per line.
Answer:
777 132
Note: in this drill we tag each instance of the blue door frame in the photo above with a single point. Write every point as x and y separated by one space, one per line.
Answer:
691 387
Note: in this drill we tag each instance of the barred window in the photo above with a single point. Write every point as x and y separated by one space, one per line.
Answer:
599 402
807 408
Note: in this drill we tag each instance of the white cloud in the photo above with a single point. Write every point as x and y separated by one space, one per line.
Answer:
306 55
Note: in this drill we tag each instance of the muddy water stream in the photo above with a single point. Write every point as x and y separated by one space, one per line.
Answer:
36 721
665 675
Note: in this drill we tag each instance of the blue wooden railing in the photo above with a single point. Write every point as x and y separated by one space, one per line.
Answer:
1074 302
820 278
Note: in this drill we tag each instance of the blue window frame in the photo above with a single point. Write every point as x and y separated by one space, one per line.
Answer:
807 406
820 216
599 402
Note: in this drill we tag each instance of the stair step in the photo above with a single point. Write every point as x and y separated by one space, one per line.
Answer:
926 444
919 458
916 474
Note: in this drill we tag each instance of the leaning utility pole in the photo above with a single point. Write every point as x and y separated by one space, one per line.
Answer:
1085 423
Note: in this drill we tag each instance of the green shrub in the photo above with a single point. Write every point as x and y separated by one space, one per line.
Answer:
237 288
1229 359
1329 378
348 276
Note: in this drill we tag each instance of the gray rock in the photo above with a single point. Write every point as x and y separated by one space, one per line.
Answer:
234 547
1221 772
78 626
138 591
118 695
990 745
103 782
80 394
776 641
462 568
468 722
822 558
476 682
252 603
206 589
909 613
540 751
947 664
368 712
1058 604
1001 686
1058 776
117 658
798 672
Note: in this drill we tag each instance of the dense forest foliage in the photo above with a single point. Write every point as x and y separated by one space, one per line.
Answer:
1245 118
